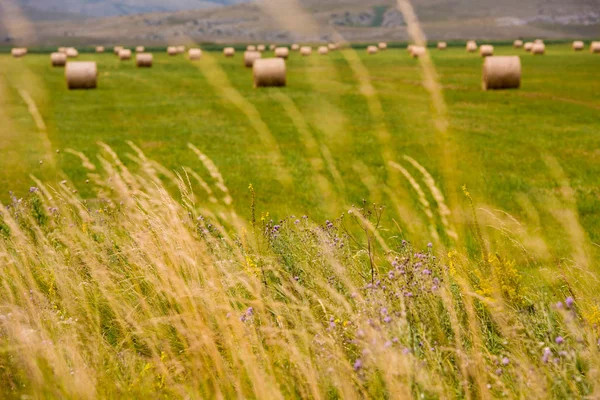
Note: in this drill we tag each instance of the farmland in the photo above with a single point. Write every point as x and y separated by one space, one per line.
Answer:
501 138
380 227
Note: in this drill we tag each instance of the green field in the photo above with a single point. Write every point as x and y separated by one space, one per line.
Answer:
499 138
126 287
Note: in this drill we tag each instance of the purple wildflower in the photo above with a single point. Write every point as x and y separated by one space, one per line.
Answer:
559 339
387 319
505 361
546 355
358 364
569 302
430 245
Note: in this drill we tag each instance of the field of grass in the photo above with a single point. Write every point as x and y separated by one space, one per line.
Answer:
501 138
150 288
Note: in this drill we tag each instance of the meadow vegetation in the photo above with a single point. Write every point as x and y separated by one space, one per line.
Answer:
186 235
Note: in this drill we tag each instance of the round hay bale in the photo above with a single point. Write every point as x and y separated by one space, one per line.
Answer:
172 50
272 47
306 50
409 48
538 41
269 72
517 44
323 50
125 55
250 57
382 46
251 47
486 50
282 52
180 49
144 60
417 51
195 54
140 49
72 52
228 51
595 47
62 49
442 45
372 50
578 45
501 72
538 49
332 46
99 49
528 46
295 47
81 74
18 52
261 48
58 59
471 46
117 49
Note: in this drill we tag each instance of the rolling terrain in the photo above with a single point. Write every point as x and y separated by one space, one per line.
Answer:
354 20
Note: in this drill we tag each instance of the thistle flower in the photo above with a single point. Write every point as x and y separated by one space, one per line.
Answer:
358 364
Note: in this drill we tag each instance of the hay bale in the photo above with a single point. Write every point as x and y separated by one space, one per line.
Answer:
409 48
578 45
323 50
81 75
62 49
269 72
228 51
538 41
501 72
172 50
471 46
382 46
538 49
144 60
250 57
528 46
140 49
332 46
180 49
486 50
517 44
261 48
99 49
58 59
306 50
595 47
442 45
195 54
117 49
18 52
282 52
372 49
272 47
125 55
251 47
417 51
295 47
72 52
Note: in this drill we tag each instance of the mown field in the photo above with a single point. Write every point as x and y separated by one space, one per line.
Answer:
500 139
478 280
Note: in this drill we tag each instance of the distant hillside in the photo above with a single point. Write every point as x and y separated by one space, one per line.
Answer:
355 20
105 8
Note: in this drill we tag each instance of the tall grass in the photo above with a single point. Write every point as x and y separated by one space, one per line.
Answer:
143 294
